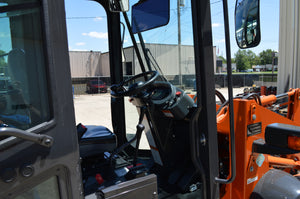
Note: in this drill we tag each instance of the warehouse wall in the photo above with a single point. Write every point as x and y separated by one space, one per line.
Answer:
92 64
167 58
85 63
104 66
289 45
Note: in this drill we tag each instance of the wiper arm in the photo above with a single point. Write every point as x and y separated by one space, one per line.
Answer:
144 49
156 65
148 61
138 54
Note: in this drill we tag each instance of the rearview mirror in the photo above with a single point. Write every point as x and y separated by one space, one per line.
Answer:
118 5
147 15
247 26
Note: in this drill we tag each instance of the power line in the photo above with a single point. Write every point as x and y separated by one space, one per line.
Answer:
215 2
86 17
95 17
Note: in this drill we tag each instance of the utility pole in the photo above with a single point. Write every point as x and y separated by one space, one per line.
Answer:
179 42
274 56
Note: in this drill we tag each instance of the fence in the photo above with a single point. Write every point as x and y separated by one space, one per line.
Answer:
238 80
246 79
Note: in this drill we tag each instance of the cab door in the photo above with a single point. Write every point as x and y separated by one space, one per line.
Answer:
39 155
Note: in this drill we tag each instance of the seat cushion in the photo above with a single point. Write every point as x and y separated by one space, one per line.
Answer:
97 140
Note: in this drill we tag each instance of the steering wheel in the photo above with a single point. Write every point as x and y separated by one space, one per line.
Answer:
135 85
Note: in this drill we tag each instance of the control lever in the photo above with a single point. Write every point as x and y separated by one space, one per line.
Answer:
44 140
139 129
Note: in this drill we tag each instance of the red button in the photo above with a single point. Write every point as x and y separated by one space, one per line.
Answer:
99 178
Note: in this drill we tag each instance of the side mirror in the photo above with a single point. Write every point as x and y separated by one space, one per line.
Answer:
118 5
247 23
149 14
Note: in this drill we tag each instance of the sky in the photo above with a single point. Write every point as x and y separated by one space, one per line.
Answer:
87 27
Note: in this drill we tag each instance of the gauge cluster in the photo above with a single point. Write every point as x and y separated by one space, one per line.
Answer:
172 101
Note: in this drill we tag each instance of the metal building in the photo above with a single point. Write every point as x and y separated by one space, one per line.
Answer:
86 64
289 46
92 64
166 57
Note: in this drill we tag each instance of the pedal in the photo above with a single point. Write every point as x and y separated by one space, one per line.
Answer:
136 172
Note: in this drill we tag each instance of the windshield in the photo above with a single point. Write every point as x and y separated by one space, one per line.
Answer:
165 44
168 48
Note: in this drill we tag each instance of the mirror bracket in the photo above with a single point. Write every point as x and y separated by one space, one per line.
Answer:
119 5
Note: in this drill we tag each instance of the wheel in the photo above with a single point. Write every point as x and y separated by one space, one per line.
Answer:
134 84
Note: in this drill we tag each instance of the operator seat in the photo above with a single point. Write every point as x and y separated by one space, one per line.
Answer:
95 140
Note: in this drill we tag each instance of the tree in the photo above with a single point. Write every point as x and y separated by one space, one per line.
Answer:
245 59
241 60
223 59
256 60
266 57
3 63
252 58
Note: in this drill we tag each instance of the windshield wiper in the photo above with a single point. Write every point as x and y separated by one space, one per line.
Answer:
156 65
144 49
138 54
148 61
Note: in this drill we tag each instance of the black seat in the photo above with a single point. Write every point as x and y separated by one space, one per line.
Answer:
95 140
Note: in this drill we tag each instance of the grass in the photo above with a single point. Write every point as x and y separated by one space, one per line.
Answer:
265 72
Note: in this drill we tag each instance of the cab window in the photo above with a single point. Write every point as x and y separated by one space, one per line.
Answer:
24 99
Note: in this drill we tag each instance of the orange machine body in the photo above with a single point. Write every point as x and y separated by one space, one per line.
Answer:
250 120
